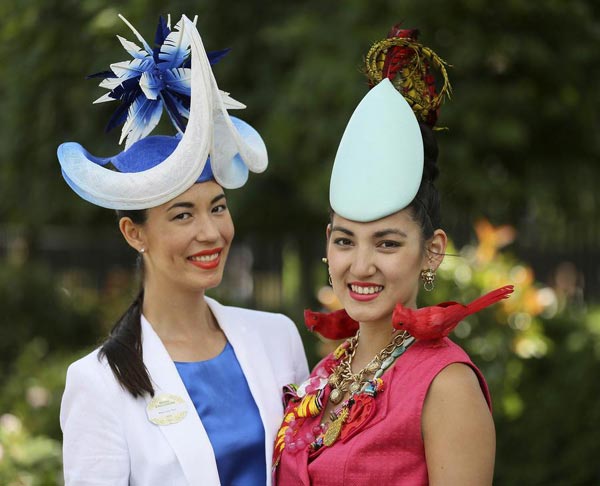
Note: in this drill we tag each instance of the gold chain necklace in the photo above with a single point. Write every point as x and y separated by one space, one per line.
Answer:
342 379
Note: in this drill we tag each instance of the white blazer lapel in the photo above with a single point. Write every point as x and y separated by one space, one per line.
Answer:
254 360
187 438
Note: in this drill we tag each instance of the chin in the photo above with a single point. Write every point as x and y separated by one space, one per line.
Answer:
360 313
200 284
211 283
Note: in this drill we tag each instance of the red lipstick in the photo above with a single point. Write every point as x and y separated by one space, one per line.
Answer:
213 260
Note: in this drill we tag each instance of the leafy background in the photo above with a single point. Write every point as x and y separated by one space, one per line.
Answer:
519 170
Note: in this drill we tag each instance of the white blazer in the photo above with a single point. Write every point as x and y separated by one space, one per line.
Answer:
108 438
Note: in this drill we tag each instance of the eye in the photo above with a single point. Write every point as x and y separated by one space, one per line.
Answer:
219 208
342 241
389 244
182 216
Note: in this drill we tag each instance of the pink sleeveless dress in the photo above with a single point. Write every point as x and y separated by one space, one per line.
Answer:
384 446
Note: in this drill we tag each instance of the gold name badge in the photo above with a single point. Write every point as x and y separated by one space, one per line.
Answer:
166 409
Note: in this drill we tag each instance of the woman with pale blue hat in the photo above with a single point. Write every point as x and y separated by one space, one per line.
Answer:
397 402
184 391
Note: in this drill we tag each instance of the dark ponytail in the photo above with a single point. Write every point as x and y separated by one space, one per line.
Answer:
123 347
426 204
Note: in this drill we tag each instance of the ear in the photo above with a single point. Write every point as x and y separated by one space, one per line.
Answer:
327 239
435 249
132 233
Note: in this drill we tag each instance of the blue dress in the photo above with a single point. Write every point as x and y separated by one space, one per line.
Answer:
220 393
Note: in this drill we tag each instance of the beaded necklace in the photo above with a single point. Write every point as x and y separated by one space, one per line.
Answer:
342 380
358 385
306 400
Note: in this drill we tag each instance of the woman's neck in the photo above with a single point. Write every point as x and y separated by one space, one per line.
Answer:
184 323
176 314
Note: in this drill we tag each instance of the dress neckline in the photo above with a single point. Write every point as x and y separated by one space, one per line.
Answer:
221 354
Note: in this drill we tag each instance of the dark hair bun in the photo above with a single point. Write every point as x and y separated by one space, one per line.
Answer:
430 146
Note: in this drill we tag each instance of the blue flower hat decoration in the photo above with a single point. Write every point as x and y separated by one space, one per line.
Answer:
176 77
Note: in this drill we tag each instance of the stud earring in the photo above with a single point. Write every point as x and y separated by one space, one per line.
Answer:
142 250
324 260
428 277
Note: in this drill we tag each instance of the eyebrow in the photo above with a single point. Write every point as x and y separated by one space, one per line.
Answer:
187 204
389 231
342 230
217 198
377 234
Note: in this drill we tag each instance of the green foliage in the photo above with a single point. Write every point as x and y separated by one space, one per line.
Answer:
554 440
522 147
55 310
30 448
26 459
33 389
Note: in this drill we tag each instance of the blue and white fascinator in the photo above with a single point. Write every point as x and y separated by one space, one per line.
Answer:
176 77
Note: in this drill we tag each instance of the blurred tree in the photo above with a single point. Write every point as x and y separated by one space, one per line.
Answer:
35 303
521 148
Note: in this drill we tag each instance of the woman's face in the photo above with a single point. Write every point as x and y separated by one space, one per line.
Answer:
186 241
375 265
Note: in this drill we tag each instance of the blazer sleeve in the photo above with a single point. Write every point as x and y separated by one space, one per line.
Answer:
298 355
95 449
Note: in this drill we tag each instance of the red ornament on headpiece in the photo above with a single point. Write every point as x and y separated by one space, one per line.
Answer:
409 66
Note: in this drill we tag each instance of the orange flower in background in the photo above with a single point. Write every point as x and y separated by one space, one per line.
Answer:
491 239
532 304
328 299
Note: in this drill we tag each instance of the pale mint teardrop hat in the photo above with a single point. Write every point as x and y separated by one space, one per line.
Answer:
379 163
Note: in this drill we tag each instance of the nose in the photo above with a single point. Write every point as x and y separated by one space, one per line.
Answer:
207 230
363 264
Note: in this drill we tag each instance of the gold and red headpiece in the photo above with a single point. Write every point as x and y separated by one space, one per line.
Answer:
408 65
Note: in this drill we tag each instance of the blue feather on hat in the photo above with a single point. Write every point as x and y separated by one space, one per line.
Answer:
154 79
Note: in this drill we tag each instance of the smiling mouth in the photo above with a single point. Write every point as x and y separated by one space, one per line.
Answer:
364 292
370 290
207 259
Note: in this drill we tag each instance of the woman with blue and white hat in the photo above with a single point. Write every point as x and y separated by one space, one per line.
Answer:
184 391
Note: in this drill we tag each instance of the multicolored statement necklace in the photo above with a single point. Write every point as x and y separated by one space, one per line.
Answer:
342 380
306 400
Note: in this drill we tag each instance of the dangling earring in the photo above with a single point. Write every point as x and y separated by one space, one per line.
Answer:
326 261
428 277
